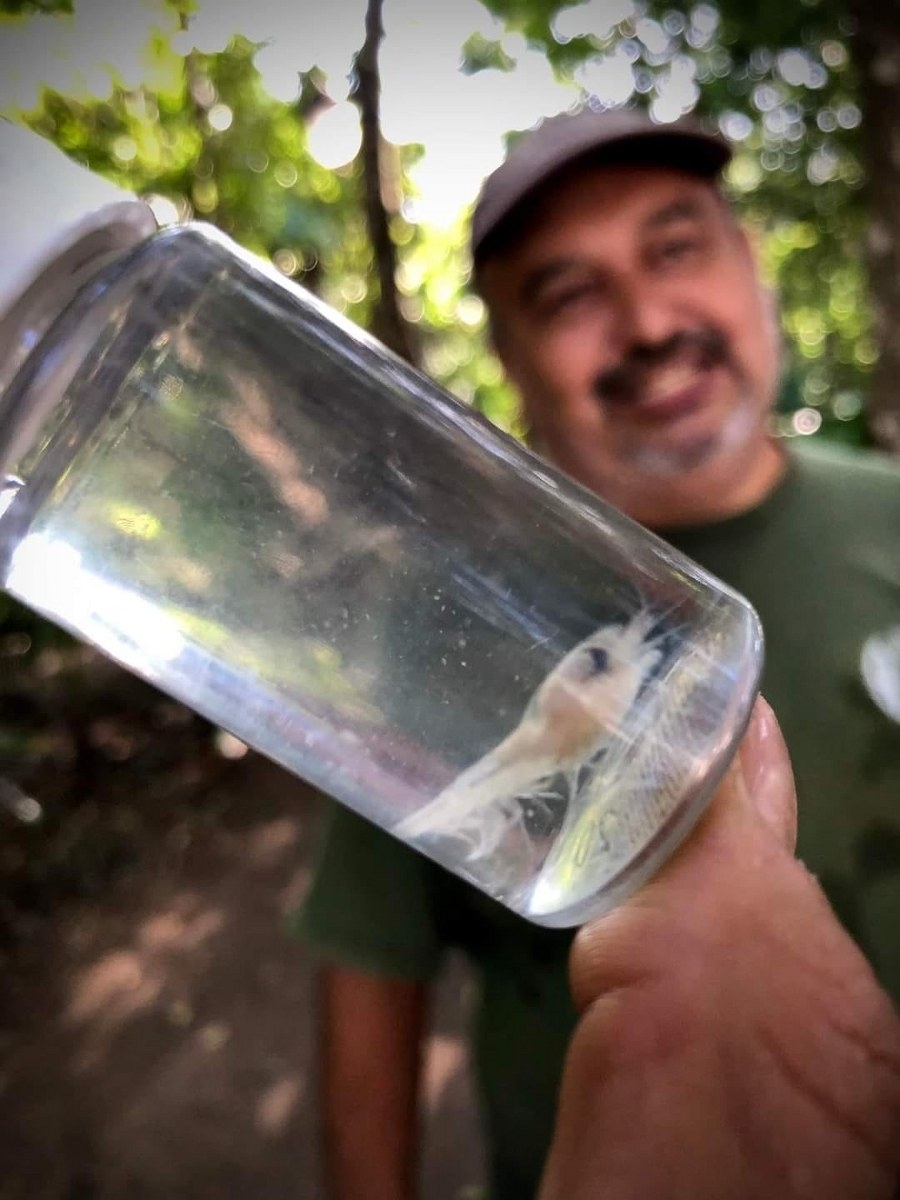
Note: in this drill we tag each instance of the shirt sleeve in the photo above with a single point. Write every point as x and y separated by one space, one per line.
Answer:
371 905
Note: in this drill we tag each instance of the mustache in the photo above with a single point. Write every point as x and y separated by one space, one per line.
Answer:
706 347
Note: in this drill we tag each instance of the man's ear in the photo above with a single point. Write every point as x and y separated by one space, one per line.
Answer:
484 285
751 238
500 344
751 241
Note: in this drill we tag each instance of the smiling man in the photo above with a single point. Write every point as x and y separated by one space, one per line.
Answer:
627 308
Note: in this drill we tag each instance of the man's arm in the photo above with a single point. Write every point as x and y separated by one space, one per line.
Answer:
371 1045
733 1041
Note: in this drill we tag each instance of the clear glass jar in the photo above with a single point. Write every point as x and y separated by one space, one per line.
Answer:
237 494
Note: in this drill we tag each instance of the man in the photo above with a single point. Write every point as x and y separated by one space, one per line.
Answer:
627 308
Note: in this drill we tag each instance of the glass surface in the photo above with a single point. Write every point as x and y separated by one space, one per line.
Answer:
245 500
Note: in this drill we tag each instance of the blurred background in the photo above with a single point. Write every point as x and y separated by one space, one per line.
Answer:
156 1035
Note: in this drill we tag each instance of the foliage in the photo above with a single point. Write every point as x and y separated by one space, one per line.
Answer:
781 85
202 133
481 54
16 8
208 139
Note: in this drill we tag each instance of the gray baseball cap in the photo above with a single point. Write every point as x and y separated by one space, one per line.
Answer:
614 136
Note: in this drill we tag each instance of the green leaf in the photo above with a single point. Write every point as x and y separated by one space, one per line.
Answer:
481 54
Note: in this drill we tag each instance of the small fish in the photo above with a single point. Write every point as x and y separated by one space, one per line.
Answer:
577 709
620 810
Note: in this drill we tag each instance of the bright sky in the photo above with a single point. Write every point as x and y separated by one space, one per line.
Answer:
425 97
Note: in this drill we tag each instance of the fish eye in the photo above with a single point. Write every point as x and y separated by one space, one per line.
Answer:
599 659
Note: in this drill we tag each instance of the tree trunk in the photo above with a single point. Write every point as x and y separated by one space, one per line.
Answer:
877 53
388 324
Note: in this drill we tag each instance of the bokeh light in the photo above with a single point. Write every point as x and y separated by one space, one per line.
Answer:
335 135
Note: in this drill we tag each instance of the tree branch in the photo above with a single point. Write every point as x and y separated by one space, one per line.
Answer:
389 324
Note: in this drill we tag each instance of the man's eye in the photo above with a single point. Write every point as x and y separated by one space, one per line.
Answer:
675 251
567 299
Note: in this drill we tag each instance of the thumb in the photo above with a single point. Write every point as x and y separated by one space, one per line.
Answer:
765 769
749 828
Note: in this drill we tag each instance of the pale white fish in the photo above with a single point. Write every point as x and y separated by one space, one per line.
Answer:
571 716
619 810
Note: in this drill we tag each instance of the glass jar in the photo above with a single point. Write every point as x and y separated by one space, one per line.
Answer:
244 499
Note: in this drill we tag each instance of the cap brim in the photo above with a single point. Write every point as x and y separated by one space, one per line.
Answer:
559 144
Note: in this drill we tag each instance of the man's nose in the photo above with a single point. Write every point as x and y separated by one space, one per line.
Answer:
647 315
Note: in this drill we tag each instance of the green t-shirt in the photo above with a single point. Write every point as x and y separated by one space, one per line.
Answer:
820 560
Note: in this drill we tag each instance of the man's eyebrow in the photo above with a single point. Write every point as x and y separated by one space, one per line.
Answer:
678 210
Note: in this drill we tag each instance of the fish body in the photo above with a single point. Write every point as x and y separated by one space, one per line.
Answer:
572 715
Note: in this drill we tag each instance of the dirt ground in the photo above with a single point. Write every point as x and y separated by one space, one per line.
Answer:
157 1034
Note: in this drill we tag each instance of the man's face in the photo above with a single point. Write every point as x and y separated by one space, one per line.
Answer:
631 318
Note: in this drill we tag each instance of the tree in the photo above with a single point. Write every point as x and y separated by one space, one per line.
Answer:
871 33
877 43
788 82
388 322
808 91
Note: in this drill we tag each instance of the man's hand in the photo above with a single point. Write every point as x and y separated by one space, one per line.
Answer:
733 1042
